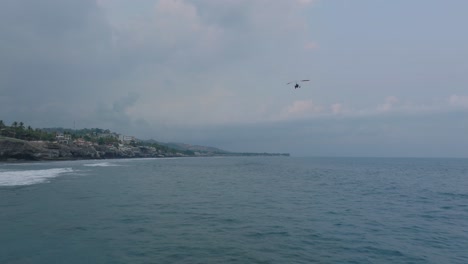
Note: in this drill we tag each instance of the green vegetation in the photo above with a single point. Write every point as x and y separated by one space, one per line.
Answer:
99 136
19 131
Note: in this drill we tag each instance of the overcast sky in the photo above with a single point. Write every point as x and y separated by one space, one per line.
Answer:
387 78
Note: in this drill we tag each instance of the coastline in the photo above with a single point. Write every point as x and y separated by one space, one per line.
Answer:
16 150
13 150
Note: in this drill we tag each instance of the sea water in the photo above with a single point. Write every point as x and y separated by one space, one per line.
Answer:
235 210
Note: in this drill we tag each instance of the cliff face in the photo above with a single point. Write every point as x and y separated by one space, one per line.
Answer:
13 149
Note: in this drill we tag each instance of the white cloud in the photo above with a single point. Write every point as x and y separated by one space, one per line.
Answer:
337 108
202 61
301 109
207 29
458 101
390 102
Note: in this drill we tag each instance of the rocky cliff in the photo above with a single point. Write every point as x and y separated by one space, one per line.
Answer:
14 149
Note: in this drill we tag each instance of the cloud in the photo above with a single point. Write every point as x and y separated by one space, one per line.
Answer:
458 101
182 32
383 135
311 45
337 108
156 66
55 55
203 61
305 2
301 109
118 114
390 102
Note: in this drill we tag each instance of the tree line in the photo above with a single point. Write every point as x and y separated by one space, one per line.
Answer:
20 131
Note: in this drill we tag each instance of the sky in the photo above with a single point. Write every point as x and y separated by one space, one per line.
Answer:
387 78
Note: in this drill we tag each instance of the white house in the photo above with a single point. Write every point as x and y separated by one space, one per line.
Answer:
126 139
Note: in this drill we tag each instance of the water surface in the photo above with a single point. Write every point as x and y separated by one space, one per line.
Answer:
235 210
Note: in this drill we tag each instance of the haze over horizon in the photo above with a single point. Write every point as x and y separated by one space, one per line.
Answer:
387 78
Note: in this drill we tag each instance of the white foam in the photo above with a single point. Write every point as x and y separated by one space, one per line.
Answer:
101 164
28 177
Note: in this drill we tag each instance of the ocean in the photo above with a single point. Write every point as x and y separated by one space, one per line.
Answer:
235 210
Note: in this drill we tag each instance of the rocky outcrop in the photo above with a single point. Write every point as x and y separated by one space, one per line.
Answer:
14 149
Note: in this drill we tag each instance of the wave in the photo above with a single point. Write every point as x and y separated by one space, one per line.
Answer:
101 164
28 177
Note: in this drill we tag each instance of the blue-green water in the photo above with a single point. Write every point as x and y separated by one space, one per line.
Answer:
235 210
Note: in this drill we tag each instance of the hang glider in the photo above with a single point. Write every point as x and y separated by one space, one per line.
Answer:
297 83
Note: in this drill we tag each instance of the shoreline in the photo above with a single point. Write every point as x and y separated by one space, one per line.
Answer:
15 150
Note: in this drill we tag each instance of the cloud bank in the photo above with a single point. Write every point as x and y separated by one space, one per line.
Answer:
154 68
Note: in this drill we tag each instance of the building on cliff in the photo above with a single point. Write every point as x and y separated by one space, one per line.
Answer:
62 139
126 139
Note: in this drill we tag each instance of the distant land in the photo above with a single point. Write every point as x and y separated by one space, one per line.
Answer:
18 142
212 150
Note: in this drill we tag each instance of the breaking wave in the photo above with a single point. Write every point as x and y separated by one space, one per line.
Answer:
101 164
28 177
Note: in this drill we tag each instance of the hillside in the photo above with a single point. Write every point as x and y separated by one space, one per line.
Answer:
18 142
16 149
